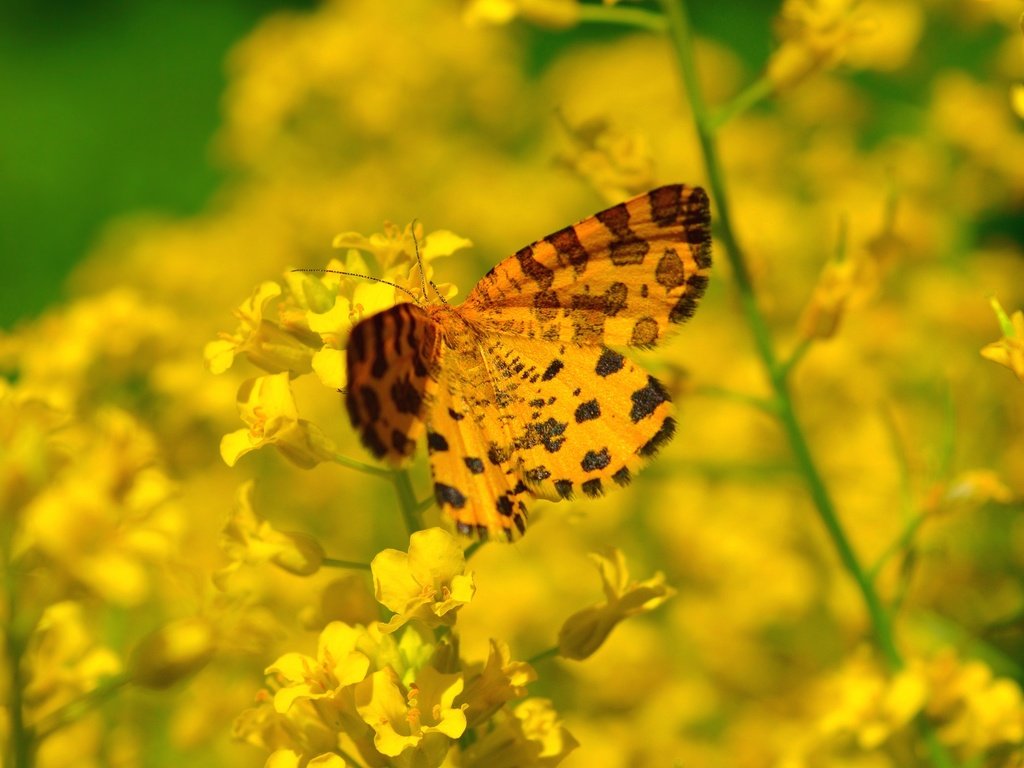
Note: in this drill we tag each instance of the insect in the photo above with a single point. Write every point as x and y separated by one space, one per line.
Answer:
517 388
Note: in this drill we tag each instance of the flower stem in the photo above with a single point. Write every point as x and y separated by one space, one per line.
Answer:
359 466
21 743
407 499
550 653
618 14
682 39
352 564
744 100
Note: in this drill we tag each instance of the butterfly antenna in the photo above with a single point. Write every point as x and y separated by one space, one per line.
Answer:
362 277
419 259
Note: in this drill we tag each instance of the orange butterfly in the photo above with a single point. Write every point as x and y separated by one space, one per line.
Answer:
516 389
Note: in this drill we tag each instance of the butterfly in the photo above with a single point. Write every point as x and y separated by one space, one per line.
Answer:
518 389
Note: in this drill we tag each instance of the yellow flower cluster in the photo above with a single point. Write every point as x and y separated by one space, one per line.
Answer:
837 522
398 693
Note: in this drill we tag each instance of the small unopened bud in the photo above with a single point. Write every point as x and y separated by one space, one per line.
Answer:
172 653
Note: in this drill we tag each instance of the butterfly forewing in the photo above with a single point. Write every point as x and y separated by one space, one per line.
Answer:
624 276
393 361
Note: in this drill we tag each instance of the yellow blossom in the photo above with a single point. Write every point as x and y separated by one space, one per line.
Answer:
1017 99
173 652
867 704
1009 350
428 584
977 711
110 514
616 162
421 718
340 662
264 342
267 406
547 13
64 660
501 680
28 455
584 632
532 736
815 34
249 539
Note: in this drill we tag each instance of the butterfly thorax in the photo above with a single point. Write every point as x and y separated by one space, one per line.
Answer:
457 333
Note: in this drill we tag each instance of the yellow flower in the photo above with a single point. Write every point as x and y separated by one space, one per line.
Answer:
1009 350
340 662
815 34
584 632
616 162
864 702
173 652
28 456
500 681
422 718
548 13
429 583
249 539
64 661
531 736
267 406
109 516
265 343
978 711
968 490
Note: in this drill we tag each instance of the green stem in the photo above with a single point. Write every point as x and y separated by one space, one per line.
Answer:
331 562
21 741
744 100
406 499
73 711
721 393
682 39
619 14
550 653
359 466
469 551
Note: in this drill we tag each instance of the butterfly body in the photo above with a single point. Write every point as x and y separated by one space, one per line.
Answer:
517 389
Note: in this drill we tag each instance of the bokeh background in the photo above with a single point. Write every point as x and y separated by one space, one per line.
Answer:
176 464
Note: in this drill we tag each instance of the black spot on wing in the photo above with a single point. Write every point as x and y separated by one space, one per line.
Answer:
569 249
537 474
587 411
596 460
592 487
622 477
564 488
446 494
474 465
552 370
436 442
647 399
373 442
401 443
380 363
406 396
662 436
610 362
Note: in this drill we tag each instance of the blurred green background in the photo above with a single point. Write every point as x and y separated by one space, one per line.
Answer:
108 106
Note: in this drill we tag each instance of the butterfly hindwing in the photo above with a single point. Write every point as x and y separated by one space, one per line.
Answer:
393 362
476 477
624 276
587 417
